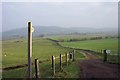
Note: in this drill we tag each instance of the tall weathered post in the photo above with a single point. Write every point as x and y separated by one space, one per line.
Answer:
30 30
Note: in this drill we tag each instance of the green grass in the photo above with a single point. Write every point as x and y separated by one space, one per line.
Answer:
113 59
96 45
14 52
69 72
72 70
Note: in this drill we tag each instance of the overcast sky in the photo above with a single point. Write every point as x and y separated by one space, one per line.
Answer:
62 14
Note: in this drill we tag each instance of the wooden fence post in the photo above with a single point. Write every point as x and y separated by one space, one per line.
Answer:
66 59
37 73
53 65
30 49
73 55
61 61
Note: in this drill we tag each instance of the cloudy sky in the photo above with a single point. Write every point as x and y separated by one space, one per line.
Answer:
62 14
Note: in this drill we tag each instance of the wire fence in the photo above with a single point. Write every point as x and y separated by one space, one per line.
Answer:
49 67
46 69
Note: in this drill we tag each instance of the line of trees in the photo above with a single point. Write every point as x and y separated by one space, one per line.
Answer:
84 39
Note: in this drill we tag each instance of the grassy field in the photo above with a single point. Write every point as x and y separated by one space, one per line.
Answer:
15 53
95 45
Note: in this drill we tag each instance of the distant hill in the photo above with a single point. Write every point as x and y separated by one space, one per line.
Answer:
39 30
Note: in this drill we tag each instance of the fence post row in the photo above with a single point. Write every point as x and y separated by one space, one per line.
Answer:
53 65
61 61
70 55
37 73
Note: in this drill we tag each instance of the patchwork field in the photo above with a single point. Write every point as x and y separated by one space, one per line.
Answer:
14 52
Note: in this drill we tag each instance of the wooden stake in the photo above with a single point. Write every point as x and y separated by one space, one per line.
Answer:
53 65
29 49
61 61
37 73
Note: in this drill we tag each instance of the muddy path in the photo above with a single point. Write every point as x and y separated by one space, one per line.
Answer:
96 68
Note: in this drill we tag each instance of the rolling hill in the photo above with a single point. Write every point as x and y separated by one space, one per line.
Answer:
39 30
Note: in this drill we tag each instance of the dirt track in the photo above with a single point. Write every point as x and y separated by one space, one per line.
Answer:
95 68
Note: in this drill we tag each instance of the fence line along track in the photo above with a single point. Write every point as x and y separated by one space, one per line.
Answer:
55 65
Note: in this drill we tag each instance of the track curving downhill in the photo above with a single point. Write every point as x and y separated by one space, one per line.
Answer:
93 67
